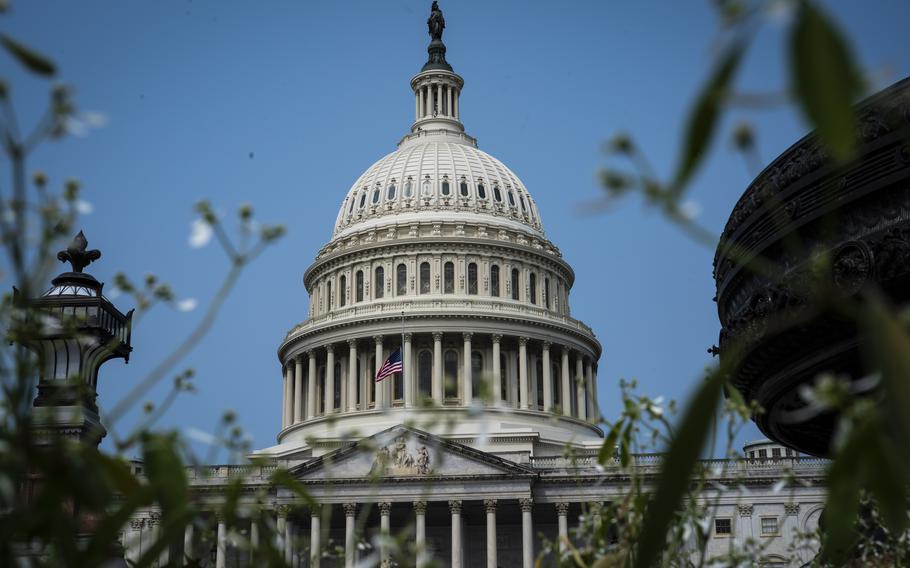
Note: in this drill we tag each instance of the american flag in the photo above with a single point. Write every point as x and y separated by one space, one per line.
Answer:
391 366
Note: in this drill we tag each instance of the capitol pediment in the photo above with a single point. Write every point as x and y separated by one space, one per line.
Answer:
404 453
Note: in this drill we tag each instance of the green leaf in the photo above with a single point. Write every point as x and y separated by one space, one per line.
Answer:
824 79
609 446
842 504
28 57
703 119
679 462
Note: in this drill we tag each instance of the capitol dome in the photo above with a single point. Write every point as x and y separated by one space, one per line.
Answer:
438 253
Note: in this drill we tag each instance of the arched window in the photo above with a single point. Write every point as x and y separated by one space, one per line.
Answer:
546 293
481 191
376 195
390 193
463 188
320 396
497 194
342 289
476 372
336 403
363 199
408 189
425 374
504 378
445 186
328 295
358 282
472 278
533 288
448 273
511 198
539 381
494 280
450 373
427 188
554 381
424 277
515 284
379 282
401 280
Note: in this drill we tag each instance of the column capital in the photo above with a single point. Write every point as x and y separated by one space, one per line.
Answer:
315 510
523 341
154 518
420 507
437 336
489 505
330 348
467 335
385 508
497 337
455 507
350 509
311 353
408 336
352 343
526 504
137 524
378 339
298 358
283 511
562 509
545 345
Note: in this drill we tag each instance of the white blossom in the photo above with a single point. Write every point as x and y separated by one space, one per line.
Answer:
200 233
187 304
84 207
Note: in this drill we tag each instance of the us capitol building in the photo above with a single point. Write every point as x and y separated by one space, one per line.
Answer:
489 437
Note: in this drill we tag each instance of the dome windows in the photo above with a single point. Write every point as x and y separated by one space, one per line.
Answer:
358 286
446 189
481 190
351 206
408 189
521 200
497 193
463 188
342 290
448 279
494 280
511 197
427 188
424 277
472 278
379 282
515 284
532 280
390 193
363 199
401 280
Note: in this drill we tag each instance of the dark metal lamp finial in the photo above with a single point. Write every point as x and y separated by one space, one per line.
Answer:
77 255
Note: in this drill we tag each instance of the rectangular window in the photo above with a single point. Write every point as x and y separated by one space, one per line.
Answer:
768 526
775 452
723 527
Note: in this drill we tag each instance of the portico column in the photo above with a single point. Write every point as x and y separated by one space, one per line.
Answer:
282 512
420 532
562 512
407 374
298 389
329 386
311 387
385 511
497 370
221 543
350 511
566 397
437 368
527 533
468 379
523 373
188 543
580 386
315 536
289 541
254 537
490 506
455 509
352 375
547 380
382 391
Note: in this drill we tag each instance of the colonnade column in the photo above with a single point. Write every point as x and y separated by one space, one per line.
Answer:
449 101
221 542
420 532
437 368
497 371
562 512
289 541
311 387
456 104
455 509
490 506
566 397
282 513
547 380
298 389
315 536
286 400
254 537
423 103
352 375
350 512
589 389
417 106
329 386
385 511
468 379
580 386
527 533
523 373
382 389
188 543
407 375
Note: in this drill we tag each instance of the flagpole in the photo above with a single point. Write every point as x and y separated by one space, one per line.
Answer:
402 350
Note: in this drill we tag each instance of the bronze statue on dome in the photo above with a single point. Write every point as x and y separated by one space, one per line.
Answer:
436 22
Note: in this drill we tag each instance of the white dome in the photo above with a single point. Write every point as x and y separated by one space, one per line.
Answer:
409 185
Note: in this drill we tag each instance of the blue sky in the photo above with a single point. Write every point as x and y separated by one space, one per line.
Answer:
284 104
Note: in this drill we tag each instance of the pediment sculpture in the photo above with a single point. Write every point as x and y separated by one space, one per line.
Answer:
397 459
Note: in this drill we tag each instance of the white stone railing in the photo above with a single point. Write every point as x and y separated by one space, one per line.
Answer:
650 463
430 305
